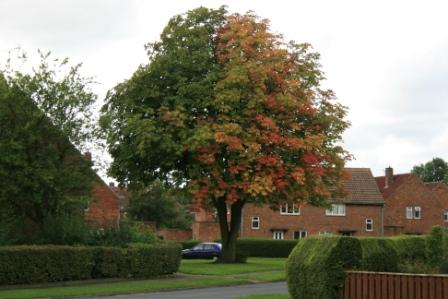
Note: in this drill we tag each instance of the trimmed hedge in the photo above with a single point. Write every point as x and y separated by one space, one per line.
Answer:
316 266
37 264
378 255
258 247
409 248
266 248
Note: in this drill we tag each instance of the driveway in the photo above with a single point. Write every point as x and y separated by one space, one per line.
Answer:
229 292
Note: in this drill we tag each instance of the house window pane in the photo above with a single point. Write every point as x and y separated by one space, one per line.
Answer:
445 216
256 222
417 212
300 234
409 212
278 235
369 224
336 210
324 233
289 209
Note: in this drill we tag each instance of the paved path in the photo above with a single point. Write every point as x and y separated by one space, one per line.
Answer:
230 292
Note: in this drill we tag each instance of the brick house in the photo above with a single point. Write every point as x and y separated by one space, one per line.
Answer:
359 213
440 190
104 207
411 206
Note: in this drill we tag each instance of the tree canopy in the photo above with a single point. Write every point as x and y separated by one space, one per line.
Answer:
42 174
233 113
166 206
435 170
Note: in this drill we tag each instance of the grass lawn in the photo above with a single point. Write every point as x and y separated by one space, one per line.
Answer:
256 270
208 267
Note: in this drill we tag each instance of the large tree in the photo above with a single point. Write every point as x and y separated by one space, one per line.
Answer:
435 170
166 206
233 113
42 174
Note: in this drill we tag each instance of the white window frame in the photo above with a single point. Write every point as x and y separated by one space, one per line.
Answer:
287 210
409 213
255 219
414 212
445 216
337 209
302 234
417 212
278 235
324 233
369 222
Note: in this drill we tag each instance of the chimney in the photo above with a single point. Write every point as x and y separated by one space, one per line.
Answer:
88 156
111 184
389 177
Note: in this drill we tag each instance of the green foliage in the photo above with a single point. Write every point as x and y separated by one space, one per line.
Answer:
231 112
435 246
410 248
126 233
37 264
435 170
167 207
378 255
266 248
41 174
316 267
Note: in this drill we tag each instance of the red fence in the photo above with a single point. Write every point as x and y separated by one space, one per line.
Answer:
375 285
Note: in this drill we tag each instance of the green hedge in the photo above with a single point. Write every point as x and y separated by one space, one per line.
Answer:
37 264
316 266
378 255
409 248
266 248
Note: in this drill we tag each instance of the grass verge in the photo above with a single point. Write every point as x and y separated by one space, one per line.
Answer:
207 267
255 270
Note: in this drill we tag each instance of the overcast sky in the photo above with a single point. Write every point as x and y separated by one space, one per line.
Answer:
386 60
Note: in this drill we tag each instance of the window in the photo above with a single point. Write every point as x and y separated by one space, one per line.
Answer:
256 222
445 216
413 213
278 235
336 210
408 212
290 209
369 224
300 234
417 212
324 233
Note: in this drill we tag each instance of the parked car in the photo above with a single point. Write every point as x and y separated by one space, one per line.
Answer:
203 251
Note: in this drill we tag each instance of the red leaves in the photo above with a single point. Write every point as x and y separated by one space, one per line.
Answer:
310 158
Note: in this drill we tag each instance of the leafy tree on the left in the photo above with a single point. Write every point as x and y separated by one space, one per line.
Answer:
43 116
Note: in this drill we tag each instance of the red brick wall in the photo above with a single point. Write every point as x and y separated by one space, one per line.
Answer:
410 193
311 219
104 209
175 234
206 231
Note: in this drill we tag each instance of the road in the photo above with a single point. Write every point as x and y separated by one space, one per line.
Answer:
229 292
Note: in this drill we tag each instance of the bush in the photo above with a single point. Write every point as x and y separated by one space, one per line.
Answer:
37 264
409 248
266 248
378 255
435 246
316 267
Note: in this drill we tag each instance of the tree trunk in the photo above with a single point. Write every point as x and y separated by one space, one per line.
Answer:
229 231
